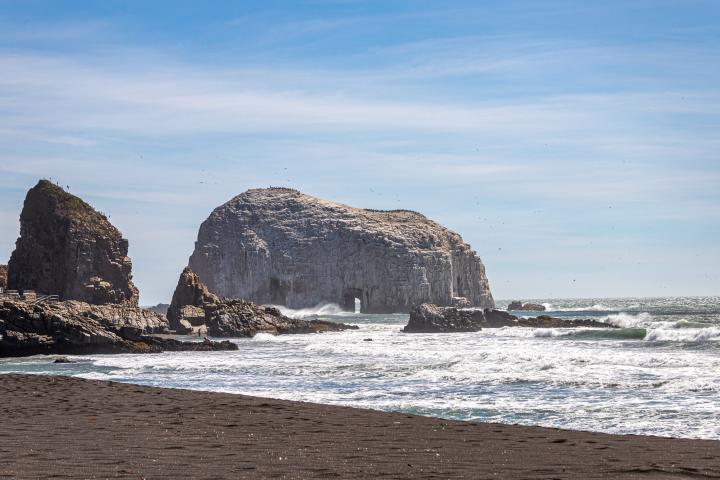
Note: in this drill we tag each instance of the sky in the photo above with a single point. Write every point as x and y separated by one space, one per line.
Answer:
574 145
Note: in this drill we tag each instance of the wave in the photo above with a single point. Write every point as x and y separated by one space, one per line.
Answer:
549 307
628 320
323 309
695 335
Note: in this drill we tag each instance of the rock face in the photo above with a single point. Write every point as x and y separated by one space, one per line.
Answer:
194 306
74 327
279 246
3 276
532 307
428 318
67 248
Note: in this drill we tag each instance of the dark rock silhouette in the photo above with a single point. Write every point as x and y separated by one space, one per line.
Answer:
428 318
67 248
532 307
279 246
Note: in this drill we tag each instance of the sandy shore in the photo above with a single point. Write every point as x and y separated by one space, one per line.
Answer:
59 427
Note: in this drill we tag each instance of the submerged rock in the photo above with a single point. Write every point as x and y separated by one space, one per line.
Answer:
519 306
194 306
279 246
428 318
74 327
67 248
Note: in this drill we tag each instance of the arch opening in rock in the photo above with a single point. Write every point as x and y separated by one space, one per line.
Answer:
352 300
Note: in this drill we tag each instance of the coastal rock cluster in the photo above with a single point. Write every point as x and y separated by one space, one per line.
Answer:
194 306
3 276
528 307
72 327
67 248
281 247
428 318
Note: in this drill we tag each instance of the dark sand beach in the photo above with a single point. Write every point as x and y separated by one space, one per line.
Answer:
60 427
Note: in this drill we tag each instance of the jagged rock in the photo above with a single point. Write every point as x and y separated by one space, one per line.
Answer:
499 318
187 302
279 246
428 318
239 318
67 248
519 306
193 306
546 321
3 276
74 327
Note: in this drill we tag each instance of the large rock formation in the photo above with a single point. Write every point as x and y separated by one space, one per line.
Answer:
3 276
279 246
73 327
67 248
428 318
194 306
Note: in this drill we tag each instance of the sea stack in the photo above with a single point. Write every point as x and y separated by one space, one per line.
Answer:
69 249
3 276
279 246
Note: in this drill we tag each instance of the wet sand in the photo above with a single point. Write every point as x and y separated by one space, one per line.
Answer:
59 427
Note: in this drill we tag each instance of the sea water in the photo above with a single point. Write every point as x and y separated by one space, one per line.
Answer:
658 374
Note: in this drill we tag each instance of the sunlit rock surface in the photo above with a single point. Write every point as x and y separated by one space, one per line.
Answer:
279 246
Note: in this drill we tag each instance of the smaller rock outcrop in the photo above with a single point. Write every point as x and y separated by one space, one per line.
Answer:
69 249
3 277
429 318
194 306
528 307
73 327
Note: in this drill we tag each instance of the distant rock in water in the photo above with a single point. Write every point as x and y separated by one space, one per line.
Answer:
428 318
532 307
3 276
67 248
279 246
73 327
194 306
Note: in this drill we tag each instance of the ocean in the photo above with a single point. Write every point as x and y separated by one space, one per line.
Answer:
659 374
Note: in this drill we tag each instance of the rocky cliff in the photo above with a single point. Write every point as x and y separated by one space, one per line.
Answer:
279 246
194 306
3 276
67 248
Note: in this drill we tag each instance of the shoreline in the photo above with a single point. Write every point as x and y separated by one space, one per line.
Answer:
85 428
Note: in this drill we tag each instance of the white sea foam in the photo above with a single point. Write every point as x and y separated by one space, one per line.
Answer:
593 308
628 320
683 334
325 309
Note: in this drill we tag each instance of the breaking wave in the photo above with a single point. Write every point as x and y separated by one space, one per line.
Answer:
549 307
325 309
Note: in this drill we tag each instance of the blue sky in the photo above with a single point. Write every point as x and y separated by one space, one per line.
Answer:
574 145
